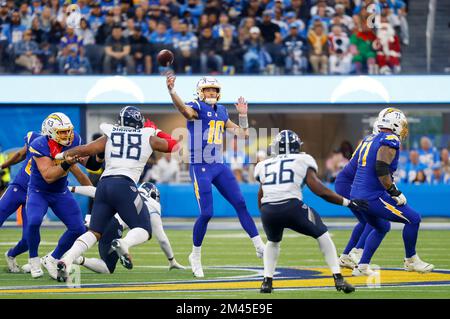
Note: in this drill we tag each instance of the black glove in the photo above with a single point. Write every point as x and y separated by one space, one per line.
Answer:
359 205
396 195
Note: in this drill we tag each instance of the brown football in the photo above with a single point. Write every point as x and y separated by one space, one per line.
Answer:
165 57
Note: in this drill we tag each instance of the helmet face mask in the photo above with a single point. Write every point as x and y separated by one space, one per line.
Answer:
149 190
59 128
286 142
131 116
208 82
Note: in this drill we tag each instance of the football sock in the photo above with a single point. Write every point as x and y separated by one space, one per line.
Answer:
81 245
410 232
356 233
197 249
363 237
271 253
96 265
257 241
329 251
200 226
21 247
136 236
373 241
65 242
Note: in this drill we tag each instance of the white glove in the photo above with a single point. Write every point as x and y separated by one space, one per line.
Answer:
397 195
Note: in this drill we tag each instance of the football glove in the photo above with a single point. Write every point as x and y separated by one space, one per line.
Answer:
359 205
396 195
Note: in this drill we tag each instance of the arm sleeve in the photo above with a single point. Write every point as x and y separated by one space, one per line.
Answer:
158 231
85 190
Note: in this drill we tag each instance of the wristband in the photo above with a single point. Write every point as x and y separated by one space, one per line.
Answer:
393 190
65 166
243 121
345 202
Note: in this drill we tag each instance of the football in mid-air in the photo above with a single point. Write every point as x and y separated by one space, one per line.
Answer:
165 57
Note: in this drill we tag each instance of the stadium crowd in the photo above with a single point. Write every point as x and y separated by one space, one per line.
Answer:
207 36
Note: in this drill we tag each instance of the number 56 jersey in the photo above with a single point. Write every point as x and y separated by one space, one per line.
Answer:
127 150
282 177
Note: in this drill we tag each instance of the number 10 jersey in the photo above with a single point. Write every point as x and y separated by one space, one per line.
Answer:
282 177
127 150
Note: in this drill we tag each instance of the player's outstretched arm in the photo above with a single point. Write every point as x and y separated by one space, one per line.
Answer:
94 147
188 112
240 130
51 172
80 176
17 157
84 190
385 156
318 188
163 145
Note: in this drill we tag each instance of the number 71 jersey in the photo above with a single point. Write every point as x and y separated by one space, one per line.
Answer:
282 177
127 150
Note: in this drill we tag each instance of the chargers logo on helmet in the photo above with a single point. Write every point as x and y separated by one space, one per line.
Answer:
59 128
208 82
131 116
286 142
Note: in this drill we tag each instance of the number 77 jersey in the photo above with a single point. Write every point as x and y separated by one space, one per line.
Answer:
282 177
366 184
127 150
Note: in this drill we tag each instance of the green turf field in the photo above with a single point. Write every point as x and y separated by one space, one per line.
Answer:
225 253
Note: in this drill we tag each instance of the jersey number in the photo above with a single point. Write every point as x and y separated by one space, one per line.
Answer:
118 141
271 177
215 132
364 151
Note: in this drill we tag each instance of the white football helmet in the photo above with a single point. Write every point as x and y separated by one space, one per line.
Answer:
394 120
73 16
208 82
56 123
44 130
375 129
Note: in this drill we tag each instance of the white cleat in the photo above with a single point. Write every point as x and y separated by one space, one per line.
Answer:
119 246
346 262
363 270
260 252
173 264
13 267
26 268
196 265
356 254
416 264
50 264
35 265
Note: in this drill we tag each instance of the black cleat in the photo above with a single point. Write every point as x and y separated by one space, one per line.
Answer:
342 285
266 286
61 271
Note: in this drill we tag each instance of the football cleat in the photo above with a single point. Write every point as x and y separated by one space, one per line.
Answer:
13 267
266 286
121 249
363 270
50 264
346 262
342 285
260 252
26 268
173 264
61 271
196 265
416 264
356 254
35 270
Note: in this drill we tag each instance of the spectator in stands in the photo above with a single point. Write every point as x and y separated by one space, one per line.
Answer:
279 20
166 170
13 33
76 64
344 19
322 15
387 47
36 7
140 20
318 53
301 8
140 50
117 53
70 39
445 164
334 164
224 22
362 51
96 17
428 154
252 8
415 170
185 45
270 32
295 49
26 52
230 51
256 58
437 176
340 56
244 29
85 33
46 19
292 19
169 8
4 13
105 29
322 5
210 60
25 15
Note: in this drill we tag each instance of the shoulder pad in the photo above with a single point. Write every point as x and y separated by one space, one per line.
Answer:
390 140
106 128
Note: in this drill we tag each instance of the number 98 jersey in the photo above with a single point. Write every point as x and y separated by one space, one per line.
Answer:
127 150
282 177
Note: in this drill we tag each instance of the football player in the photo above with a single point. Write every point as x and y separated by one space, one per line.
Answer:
127 147
206 122
48 188
108 261
377 161
280 200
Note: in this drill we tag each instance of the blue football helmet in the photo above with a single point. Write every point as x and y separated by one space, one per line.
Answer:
131 116
286 142
149 190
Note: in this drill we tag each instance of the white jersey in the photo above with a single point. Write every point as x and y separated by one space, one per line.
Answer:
282 177
127 150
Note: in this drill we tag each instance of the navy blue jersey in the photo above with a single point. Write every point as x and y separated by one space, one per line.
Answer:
206 133
347 174
44 146
23 177
366 184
